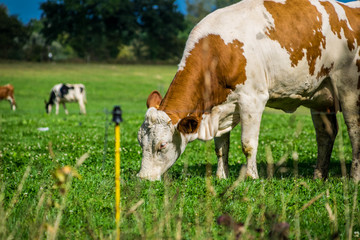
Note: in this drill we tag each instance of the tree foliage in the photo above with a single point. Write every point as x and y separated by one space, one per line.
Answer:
97 29
35 48
198 9
160 23
225 3
103 29
93 28
13 35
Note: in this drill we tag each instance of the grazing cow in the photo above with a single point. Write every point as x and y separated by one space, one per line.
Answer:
257 53
7 92
62 93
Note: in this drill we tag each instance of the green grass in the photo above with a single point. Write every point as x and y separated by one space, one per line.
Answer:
187 202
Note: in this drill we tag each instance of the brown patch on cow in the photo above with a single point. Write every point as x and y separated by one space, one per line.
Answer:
212 70
298 30
338 25
324 71
6 91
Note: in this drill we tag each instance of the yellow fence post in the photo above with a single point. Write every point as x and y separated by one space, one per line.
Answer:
117 118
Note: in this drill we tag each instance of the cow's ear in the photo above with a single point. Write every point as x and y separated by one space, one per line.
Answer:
188 125
154 100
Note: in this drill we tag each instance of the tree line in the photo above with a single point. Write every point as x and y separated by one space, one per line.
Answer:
103 30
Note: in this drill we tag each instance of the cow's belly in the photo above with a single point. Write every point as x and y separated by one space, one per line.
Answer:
321 98
225 117
68 98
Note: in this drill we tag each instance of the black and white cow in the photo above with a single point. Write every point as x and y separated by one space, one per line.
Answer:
62 93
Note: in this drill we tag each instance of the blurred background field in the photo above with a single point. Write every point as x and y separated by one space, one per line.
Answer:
38 202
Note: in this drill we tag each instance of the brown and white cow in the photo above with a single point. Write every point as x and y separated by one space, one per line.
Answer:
63 93
253 54
7 93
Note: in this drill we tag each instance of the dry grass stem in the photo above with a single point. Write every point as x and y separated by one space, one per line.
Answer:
341 151
51 151
240 179
17 193
248 219
297 228
54 230
82 159
180 218
308 204
135 207
270 162
283 208
282 160
353 212
40 203
330 212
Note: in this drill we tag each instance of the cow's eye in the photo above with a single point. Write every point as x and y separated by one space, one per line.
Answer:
162 145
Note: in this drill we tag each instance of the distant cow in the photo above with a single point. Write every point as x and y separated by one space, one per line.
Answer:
257 53
62 93
7 92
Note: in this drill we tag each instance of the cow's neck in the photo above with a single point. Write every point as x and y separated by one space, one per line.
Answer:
184 97
212 70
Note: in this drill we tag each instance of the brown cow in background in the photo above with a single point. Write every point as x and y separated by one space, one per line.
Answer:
7 92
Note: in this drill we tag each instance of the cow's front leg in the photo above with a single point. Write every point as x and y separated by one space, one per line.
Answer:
326 128
250 118
222 144
66 111
56 108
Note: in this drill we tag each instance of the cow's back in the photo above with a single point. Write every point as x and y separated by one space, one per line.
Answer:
69 92
6 91
293 43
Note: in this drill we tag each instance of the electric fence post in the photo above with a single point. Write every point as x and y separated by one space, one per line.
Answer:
117 118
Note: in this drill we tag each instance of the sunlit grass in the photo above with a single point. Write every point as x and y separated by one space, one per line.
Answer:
189 199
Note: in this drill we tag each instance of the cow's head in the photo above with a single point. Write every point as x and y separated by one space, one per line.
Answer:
47 107
162 142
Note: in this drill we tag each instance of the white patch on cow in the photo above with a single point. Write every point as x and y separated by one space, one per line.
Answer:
279 1
353 4
13 107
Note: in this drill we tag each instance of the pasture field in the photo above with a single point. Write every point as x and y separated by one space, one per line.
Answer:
39 199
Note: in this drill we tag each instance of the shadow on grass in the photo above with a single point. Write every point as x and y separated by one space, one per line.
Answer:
287 170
